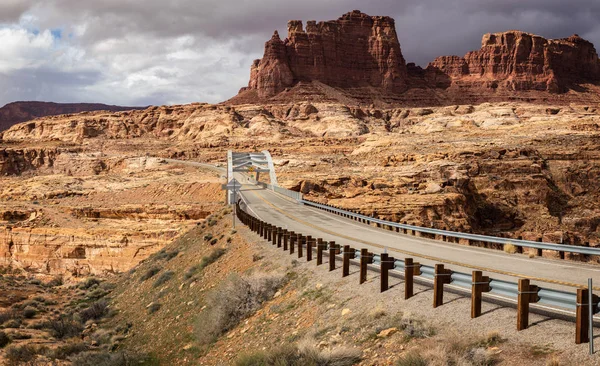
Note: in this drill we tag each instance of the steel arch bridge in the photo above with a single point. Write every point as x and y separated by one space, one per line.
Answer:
251 162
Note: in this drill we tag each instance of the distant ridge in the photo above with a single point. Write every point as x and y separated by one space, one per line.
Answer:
18 112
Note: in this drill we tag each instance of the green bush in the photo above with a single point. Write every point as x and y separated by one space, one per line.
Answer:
56 281
166 276
164 254
89 283
150 273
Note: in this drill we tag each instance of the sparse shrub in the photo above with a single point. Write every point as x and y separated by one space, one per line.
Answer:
167 255
64 327
553 361
229 240
412 359
105 358
208 237
13 323
88 283
233 231
22 355
69 349
5 316
256 257
166 276
214 241
56 281
154 308
510 248
491 339
205 262
35 281
4 339
531 255
300 355
95 311
150 273
29 312
233 301
19 335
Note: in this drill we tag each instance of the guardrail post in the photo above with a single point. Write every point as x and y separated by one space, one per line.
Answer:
539 251
279 237
479 285
527 295
301 239
269 231
386 264
293 242
332 251
442 277
582 326
274 230
411 269
310 243
286 238
320 247
364 260
347 254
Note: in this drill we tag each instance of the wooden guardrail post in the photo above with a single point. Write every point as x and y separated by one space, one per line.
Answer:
386 264
527 295
310 243
320 247
364 260
293 242
347 254
582 325
274 235
539 251
286 238
279 237
300 242
479 284
411 269
332 252
268 236
442 277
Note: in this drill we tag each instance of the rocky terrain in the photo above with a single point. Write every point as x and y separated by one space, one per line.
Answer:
357 59
17 112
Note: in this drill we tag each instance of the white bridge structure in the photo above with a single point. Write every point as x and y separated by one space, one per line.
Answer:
249 162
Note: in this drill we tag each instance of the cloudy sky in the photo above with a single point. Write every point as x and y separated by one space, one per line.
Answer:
141 52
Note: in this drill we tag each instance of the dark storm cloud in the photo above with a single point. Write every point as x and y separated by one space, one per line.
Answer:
150 51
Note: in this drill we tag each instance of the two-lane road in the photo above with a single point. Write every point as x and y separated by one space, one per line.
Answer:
281 211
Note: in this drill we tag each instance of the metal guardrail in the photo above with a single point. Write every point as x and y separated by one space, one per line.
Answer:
454 234
522 293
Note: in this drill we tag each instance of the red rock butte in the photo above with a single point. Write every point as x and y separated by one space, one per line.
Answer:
357 59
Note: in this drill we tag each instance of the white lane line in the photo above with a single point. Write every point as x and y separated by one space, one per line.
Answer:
453 247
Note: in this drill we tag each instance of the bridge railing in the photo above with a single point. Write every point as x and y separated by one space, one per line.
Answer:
518 243
521 292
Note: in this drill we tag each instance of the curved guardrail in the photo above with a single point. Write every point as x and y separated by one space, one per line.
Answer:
454 234
475 283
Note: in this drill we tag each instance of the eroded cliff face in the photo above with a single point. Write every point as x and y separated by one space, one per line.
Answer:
353 51
520 61
357 60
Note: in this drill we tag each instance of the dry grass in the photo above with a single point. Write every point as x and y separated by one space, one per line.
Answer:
553 361
302 354
233 301
510 248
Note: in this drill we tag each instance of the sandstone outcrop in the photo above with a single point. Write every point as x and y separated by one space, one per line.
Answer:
356 50
520 61
356 60
17 112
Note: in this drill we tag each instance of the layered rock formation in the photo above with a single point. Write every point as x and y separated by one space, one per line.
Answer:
17 112
356 50
520 61
357 60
